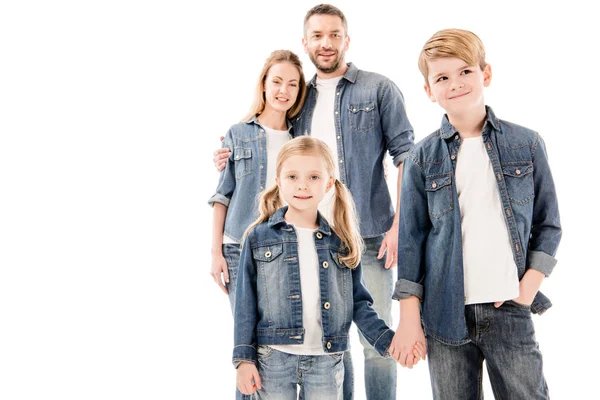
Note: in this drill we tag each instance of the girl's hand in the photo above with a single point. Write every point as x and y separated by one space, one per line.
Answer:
219 272
247 379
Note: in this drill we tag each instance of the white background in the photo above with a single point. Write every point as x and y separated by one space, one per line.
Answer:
109 114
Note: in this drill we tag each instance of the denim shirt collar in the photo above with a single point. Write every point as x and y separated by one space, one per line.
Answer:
350 75
278 219
447 130
254 120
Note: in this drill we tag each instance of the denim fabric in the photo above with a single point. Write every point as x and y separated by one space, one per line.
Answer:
380 372
370 118
504 337
244 176
430 236
348 385
268 305
281 374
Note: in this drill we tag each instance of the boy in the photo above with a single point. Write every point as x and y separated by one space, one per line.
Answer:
479 228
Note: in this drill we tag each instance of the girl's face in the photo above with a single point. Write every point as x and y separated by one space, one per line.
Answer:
303 181
281 87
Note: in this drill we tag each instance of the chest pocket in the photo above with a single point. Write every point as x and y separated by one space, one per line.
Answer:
439 194
362 116
242 158
519 182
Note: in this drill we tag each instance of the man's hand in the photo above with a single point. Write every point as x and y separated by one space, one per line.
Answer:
221 156
390 243
247 379
219 271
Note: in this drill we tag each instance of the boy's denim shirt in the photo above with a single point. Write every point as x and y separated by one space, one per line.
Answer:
268 306
370 117
430 263
244 176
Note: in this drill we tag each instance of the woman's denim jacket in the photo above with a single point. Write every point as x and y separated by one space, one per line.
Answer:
430 263
244 176
268 306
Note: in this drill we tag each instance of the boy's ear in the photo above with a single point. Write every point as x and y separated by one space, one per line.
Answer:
429 92
487 75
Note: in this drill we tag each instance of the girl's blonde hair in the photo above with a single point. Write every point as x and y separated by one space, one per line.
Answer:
448 43
277 57
345 220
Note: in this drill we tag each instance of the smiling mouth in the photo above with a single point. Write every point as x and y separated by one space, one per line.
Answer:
458 96
303 197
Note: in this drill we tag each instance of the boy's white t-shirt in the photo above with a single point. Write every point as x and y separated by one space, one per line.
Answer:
323 128
490 271
275 141
311 297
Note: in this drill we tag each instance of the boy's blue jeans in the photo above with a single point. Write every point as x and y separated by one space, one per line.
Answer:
504 337
318 377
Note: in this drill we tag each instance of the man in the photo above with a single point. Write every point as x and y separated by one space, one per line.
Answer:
359 115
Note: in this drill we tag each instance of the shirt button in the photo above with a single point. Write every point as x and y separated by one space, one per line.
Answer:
517 247
499 176
434 185
328 345
336 113
354 109
261 130
508 212
319 235
261 167
261 188
456 137
327 305
452 157
489 146
518 171
339 137
337 94
267 254
325 264
341 160
367 109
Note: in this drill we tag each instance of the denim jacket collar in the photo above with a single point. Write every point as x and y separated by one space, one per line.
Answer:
278 219
350 75
447 130
254 120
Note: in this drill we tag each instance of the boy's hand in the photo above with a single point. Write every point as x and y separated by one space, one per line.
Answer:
220 272
408 345
247 379
220 157
528 288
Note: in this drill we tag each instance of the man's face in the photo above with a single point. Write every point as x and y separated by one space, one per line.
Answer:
325 41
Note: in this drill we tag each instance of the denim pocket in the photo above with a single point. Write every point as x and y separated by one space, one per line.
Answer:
243 161
519 182
518 305
264 351
362 116
439 194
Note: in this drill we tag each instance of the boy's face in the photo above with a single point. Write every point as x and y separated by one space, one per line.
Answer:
455 85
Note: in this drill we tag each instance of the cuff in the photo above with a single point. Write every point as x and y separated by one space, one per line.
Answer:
541 261
244 352
404 289
218 198
382 344
399 159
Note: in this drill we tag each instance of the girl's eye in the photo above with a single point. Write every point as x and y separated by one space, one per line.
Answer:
291 177
314 177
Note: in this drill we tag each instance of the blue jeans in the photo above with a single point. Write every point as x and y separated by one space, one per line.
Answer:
504 337
318 377
380 373
231 252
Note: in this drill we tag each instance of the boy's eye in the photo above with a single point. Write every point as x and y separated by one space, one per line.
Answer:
466 71
441 78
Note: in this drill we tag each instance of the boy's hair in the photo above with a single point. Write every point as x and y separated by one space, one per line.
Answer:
277 57
457 43
326 9
345 220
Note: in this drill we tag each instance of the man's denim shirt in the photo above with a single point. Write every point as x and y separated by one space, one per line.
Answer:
430 263
370 117
244 176
268 307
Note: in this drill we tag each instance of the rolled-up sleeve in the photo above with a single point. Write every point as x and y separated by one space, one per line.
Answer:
226 184
546 231
397 130
412 233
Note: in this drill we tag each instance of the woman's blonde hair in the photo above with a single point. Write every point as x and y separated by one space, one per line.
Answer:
448 43
277 57
345 221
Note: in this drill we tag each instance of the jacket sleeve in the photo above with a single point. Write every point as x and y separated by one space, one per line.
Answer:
226 184
246 307
373 328
412 233
397 130
545 226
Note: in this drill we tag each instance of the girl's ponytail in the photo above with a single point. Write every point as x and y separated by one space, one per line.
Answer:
269 202
345 225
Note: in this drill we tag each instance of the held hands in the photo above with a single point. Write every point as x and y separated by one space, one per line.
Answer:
247 380
220 157
408 346
418 353
219 271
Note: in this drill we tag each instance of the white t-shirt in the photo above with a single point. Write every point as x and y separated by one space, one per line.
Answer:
275 141
323 128
311 297
490 270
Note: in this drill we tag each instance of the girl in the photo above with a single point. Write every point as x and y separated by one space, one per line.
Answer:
254 143
300 284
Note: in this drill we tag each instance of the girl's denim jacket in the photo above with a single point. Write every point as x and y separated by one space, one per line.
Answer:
430 263
268 306
244 176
